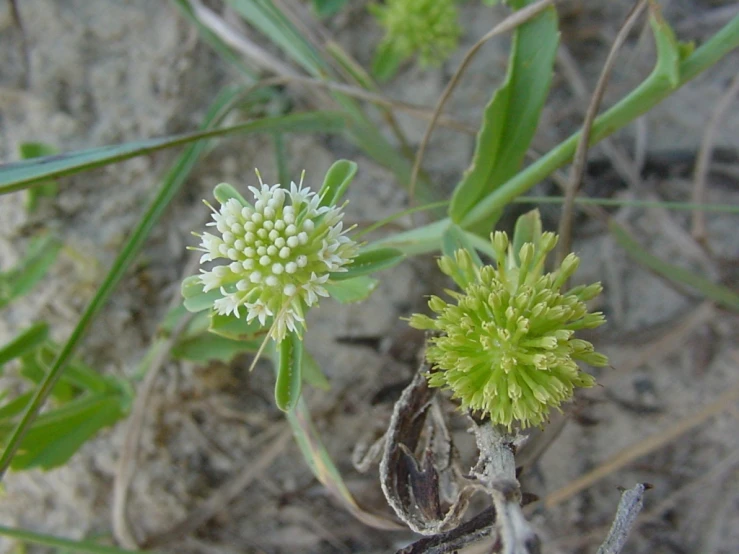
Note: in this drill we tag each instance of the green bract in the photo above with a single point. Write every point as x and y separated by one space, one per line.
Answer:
507 345
427 27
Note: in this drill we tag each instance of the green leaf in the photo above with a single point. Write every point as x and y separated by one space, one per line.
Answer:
235 328
718 293
511 117
195 300
15 406
208 347
370 261
28 341
352 290
78 374
19 280
528 229
47 189
58 434
224 192
264 16
327 8
386 62
20 175
337 179
668 49
417 241
313 374
455 238
289 372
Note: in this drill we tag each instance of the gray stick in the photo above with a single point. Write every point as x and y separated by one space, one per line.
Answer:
632 501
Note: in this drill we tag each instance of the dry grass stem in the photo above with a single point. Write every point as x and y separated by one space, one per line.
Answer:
125 470
642 448
669 341
703 161
632 501
578 164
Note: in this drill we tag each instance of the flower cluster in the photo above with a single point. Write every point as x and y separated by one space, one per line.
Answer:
506 345
278 255
429 27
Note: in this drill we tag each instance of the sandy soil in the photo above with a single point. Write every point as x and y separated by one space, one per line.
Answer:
107 72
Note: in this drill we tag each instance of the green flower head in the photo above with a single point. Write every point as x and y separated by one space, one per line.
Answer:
505 346
427 27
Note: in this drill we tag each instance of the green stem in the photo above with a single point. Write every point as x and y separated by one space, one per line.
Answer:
652 91
67 544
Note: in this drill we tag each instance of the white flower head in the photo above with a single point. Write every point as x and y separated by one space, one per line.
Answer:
275 256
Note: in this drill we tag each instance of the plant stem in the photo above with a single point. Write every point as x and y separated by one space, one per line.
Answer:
496 471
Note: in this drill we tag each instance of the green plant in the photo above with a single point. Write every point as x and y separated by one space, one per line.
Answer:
524 360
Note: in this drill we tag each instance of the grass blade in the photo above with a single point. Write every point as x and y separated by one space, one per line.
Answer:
19 175
58 542
718 293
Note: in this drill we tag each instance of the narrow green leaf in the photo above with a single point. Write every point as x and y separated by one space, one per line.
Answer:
209 347
511 117
16 406
264 16
28 150
668 48
338 177
370 261
195 300
327 8
28 341
78 374
224 192
289 372
386 62
455 238
19 280
352 290
86 546
528 229
313 374
235 328
712 291
224 50
19 175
